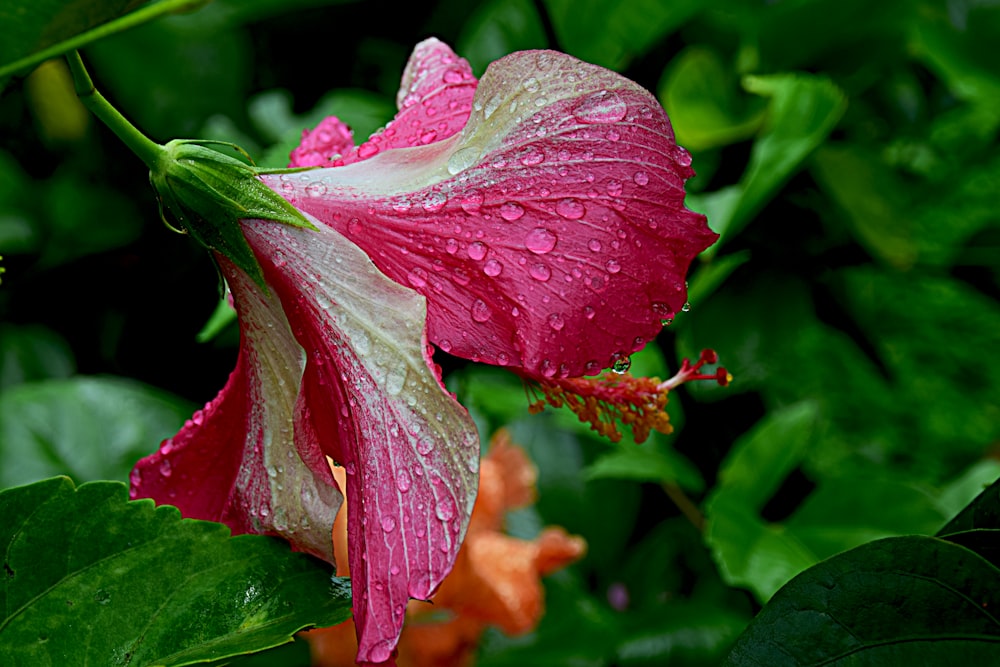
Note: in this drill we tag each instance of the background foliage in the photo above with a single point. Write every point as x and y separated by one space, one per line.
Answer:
846 151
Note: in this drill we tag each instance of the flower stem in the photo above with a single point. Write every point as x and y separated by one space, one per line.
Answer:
147 150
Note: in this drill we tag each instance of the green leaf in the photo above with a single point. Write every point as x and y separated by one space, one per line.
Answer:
87 427
983 512
647 463
500 27
803 110
36 30
613 32
901 600
32 352
700 95
91 578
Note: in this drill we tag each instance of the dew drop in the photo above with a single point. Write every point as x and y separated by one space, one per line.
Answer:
588 312
683 157
540 241
480 311
430 135
445 345
511 211
396 379
491 106
601 107
532 157
445 509
388 524
492 268
614 134
315 189
686 307
461 277
615 188
472 202
532 85
570 209
451 246
425 446
503 359
594 245
477 250
548 368
367 149
102 596
556 321
166 469
453 76
417 277
621 365
640 178
612 266
540 272
354 226
434 202
462 159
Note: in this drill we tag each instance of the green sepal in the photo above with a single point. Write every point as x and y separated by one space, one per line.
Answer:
207 194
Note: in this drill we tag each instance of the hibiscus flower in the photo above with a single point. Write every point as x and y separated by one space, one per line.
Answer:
533 219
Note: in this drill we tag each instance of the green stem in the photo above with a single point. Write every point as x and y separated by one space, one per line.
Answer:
147 150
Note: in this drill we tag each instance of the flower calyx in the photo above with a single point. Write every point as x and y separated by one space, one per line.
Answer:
611 399
208 193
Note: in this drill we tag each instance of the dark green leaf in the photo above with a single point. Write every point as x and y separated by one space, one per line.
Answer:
500 27
647 463
983 512
36 30
30 353
612 32
90 578
89 428
901 600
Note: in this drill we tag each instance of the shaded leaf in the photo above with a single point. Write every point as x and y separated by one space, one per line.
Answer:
87 427
94 579
32 352
647 463
897 601
983 512
500 27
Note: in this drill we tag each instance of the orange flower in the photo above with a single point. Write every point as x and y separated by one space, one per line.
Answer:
496 579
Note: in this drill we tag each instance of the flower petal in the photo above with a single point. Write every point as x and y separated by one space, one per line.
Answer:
237 461
434 101
411 452
549 235
329 140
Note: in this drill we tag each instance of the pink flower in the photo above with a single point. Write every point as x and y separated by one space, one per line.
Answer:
534 220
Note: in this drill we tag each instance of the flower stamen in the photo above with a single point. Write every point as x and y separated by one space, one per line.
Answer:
611 399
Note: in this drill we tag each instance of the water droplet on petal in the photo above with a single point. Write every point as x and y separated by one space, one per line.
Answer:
615 188
395 379
539 272
640 178
503 359
540 241
686 307
445 509
425 446
445 345
683 157
367 149
532 157
480 311
388 524
594 245
570 209
491 106
451 246
472 201
621 365
354 226
492 268
403 480
511 211
532 85
417 277
477 250
462 159
612 266
453 75
165 468
434 202
556 321
316 189
601 107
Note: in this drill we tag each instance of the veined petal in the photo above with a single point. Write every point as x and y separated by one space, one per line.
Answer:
410 451
238 461
549 235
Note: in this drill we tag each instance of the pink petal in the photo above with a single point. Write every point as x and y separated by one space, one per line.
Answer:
331 139
549 235
434 100
370 397
237 460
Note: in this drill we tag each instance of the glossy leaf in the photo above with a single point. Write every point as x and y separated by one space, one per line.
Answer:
94 579
902 600
35 31
87 427
983 512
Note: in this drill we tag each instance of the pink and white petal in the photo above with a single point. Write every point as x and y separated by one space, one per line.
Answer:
330 139
410 451
434 101
550 235
238 460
